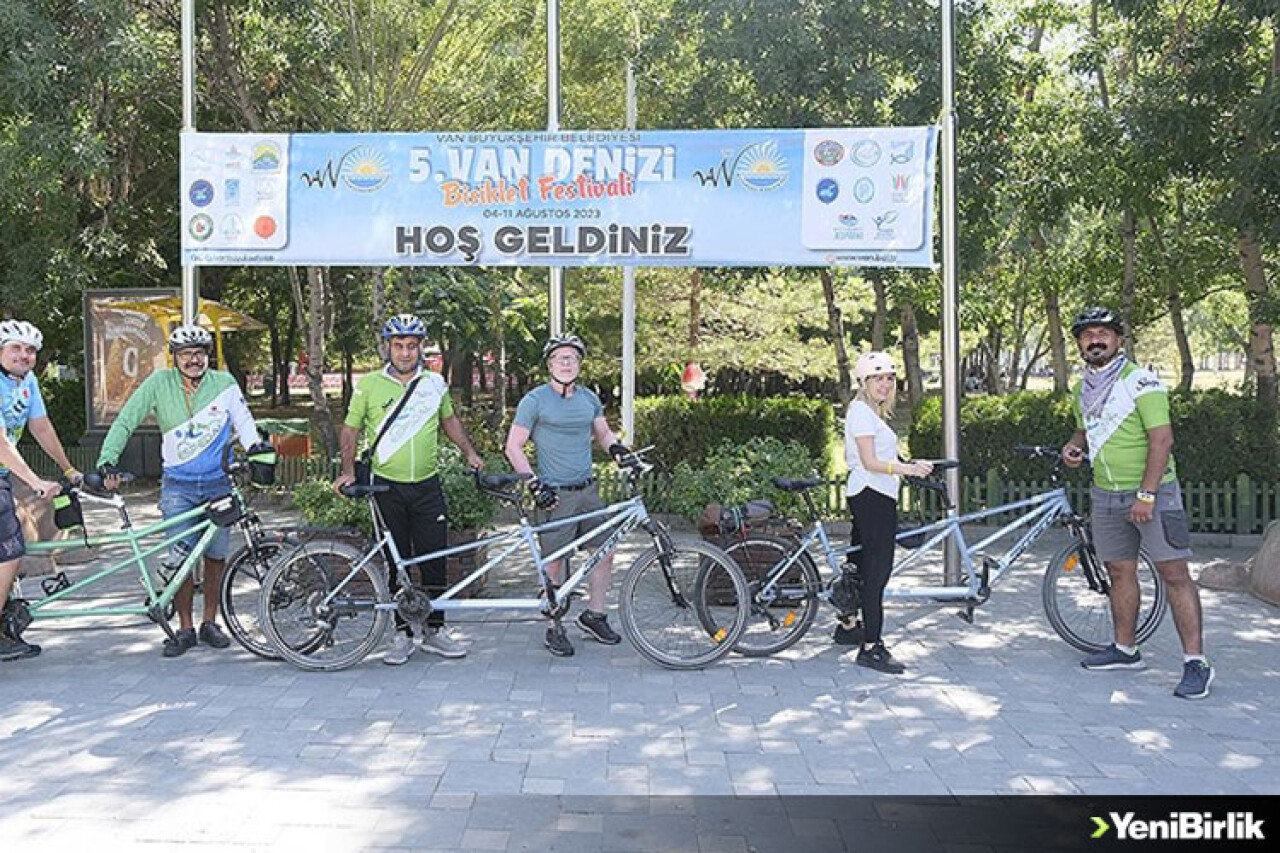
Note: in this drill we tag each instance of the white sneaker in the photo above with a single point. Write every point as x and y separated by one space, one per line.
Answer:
399 652
438 641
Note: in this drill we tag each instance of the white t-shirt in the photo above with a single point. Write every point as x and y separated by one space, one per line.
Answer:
862 420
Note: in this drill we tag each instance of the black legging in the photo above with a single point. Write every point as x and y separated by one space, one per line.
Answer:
415 514
875 524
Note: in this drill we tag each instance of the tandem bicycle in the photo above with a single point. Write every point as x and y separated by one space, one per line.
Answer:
328 608
158 577
786 586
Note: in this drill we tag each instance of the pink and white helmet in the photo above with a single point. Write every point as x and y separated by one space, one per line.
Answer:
874 364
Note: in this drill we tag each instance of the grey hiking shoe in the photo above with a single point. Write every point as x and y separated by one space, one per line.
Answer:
1196 678
400 650
438 641
1112 658
557 643
11 649
211 635
596 626
183 640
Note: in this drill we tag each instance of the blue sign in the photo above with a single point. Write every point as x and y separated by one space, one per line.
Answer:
574 198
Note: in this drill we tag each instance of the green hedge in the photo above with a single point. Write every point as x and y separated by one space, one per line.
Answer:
684 430
736 473
1217 435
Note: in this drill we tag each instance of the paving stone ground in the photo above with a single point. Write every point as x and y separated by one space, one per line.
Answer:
103 740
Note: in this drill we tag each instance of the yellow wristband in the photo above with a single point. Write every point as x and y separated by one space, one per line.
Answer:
890 467
67 472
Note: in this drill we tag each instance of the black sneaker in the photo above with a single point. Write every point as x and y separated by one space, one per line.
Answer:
211 635
596 626
557 643
1197 675
878 658
184 639
11 649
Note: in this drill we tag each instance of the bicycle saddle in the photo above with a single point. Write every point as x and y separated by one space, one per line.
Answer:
790 485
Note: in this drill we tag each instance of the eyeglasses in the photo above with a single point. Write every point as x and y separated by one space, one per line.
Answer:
566 359
192 355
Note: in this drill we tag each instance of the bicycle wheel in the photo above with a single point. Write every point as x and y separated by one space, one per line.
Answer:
779 618
657 604
319 612
1082 616
240 591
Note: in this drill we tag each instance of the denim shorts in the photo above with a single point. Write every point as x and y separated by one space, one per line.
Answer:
178 496
12 545
1167 536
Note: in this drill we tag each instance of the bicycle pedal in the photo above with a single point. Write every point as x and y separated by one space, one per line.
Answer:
966 613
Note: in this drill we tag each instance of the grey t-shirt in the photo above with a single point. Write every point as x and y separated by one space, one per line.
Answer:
560 428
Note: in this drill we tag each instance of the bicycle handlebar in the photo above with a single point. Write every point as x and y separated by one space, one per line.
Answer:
1038 451
359 490
95 481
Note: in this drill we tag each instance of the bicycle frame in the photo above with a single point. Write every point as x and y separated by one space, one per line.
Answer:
158 597
622 518
1041 512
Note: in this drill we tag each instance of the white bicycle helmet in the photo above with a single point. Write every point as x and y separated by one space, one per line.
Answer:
564 340
189 335
20 331
874 364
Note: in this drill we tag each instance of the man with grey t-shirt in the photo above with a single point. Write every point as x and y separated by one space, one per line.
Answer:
561 418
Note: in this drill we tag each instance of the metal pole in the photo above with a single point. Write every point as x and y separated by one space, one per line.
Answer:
190 274
629 302
555 288
950 281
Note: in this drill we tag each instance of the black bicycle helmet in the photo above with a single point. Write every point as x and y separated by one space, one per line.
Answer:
1096 316
563 340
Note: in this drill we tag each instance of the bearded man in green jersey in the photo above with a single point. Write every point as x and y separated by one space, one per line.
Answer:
1122 421
405 439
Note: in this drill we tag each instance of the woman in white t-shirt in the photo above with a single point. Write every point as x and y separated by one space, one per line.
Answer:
871 451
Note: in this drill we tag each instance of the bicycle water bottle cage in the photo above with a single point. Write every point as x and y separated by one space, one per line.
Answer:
224 511
55 584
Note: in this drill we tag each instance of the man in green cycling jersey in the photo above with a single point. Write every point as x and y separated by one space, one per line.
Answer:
405 461
200 411
1122 421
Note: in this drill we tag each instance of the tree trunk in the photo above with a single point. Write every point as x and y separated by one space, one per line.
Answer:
695 309
1129 285
497 332
1262 353
1173 298
321 418
880 321
1057 342
380 278
994 342
911 354
835 324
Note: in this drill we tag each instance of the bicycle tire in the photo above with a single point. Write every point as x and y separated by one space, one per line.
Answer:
659 617
1082 616
776 625
318 613
240 592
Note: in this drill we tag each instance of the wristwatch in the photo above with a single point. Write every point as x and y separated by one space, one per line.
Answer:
1146 497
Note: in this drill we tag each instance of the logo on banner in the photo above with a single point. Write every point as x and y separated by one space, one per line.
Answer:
761 167
884 224
233 159
266 157
200 227
827 190
268 188
231 192
264 226
364 169
232 227
901 152
901 188
864 189
201 193
865 153
828 152
848 220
